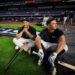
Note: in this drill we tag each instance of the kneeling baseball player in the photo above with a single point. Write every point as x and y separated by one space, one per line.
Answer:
51 43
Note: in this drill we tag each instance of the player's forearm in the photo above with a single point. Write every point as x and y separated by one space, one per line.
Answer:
60 47
19 35
38 42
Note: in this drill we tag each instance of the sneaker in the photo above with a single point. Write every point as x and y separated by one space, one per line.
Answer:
16 48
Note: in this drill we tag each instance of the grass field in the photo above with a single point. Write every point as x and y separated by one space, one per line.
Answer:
38 28
24 64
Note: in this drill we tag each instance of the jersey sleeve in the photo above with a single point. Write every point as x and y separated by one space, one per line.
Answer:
33 31
42 33
60 33
20 30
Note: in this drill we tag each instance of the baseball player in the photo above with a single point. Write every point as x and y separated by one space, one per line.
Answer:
25 36
51 42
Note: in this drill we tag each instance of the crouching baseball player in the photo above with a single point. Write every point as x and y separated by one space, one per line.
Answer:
25 37
51 43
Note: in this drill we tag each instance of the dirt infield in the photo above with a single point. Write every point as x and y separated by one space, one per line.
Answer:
60 23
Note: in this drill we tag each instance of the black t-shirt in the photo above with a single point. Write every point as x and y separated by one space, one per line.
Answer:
51 37
31 30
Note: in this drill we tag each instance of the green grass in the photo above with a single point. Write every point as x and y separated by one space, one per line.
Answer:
38 28
24 64
10 25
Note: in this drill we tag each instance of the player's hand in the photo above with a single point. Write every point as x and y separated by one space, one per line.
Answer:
41 53
25 29
52 58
